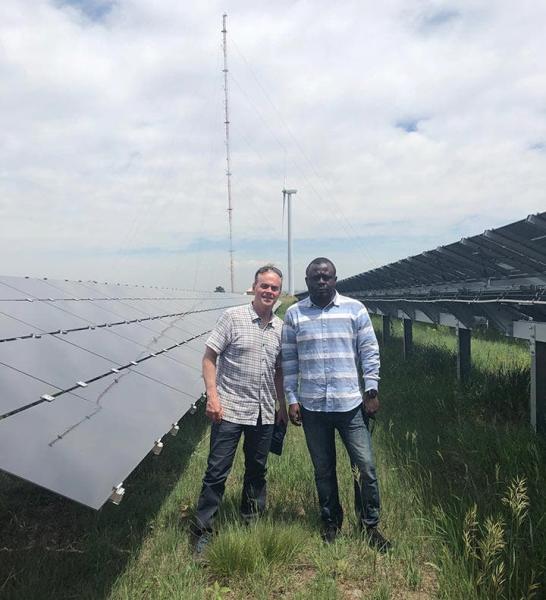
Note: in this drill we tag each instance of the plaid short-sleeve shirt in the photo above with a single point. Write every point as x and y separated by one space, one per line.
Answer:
248 355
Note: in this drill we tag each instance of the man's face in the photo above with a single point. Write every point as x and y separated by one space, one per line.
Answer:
266 290
321 283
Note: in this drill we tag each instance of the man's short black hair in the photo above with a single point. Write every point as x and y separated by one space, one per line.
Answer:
267 269
321 260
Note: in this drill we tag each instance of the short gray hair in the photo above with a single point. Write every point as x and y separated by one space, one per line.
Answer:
267 269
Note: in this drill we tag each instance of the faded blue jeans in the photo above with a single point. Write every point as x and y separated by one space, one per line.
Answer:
319 430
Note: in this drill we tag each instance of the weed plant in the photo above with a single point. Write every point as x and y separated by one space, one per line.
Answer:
256 549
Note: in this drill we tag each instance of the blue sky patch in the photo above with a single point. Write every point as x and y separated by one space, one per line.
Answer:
95 10
408 125
440 18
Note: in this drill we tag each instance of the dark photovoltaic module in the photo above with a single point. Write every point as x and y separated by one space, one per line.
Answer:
93 375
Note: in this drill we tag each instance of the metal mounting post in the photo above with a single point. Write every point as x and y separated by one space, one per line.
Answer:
408 337
463 353
538 383
386 328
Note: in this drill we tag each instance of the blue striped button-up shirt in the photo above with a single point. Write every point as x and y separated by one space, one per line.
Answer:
321 350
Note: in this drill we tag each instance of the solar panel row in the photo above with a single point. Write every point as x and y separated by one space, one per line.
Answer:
506 257
92 374
497 278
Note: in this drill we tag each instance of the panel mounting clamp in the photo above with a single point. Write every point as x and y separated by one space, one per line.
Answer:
158 447
118 491
47 397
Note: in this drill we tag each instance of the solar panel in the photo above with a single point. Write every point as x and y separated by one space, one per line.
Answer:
498 276
92 374
505 258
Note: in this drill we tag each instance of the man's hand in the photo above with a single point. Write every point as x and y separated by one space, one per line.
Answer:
294 412
371 405
214 410
281 416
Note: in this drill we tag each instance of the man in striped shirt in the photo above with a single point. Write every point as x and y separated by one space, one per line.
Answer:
326 339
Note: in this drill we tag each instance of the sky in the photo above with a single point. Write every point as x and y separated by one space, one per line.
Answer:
403 125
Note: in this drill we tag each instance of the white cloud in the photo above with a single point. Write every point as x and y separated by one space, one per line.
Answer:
402 125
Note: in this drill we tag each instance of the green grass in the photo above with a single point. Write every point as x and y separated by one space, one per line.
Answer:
462 481
469 449
285 301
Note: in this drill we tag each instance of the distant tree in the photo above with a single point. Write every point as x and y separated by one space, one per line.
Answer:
219 288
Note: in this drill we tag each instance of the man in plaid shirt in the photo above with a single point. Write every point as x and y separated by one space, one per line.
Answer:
243 379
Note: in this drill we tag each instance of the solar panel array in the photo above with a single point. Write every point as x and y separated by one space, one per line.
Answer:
499 275
92 375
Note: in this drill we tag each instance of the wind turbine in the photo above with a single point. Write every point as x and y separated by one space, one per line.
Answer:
287 200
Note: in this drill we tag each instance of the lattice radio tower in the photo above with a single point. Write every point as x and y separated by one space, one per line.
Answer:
228 158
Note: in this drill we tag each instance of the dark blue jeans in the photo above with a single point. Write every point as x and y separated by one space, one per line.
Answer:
224 438
319 430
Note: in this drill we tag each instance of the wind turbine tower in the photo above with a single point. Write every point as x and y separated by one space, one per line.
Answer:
287 198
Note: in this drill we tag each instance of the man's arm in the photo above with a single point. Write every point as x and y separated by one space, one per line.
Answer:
290 367
282 415
214 410
368 350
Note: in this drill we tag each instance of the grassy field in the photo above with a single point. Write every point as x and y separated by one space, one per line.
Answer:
462 482
476 467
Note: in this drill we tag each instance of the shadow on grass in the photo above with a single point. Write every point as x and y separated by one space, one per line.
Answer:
51 547
465 445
